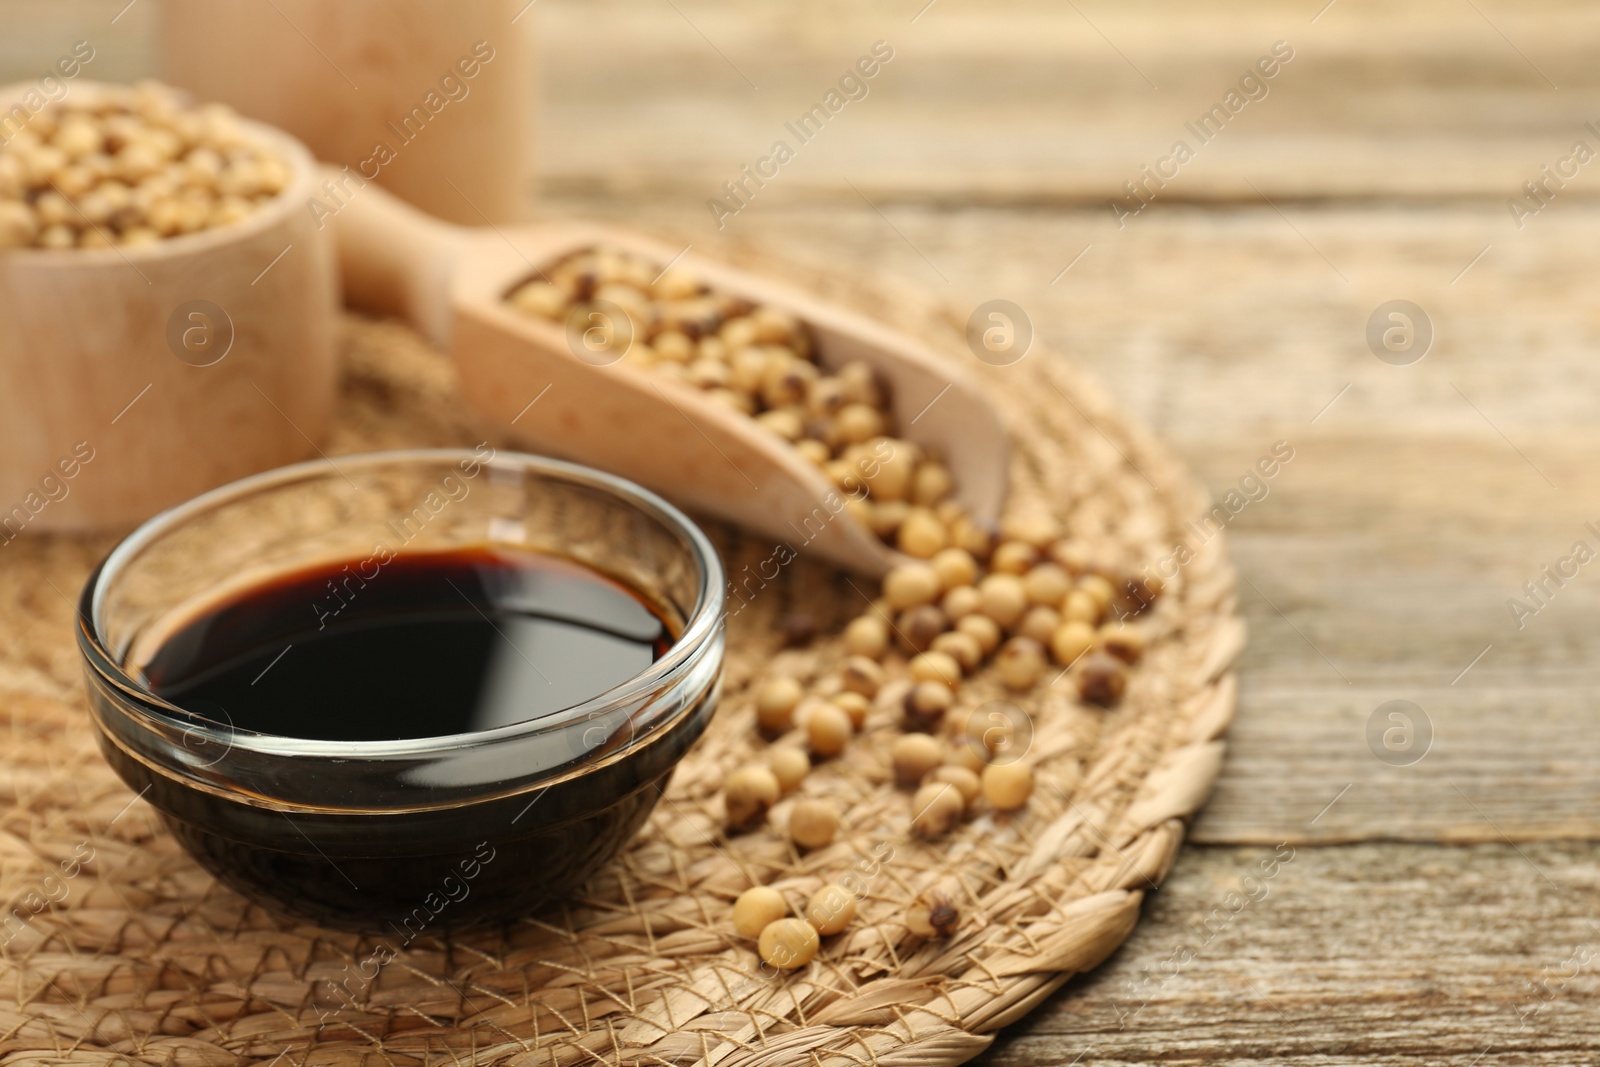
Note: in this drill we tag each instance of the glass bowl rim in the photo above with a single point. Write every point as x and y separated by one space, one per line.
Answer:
700 626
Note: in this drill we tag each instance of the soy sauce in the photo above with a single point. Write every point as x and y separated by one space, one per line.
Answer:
422 644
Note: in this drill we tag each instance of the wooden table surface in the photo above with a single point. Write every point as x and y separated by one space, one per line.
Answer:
1440 903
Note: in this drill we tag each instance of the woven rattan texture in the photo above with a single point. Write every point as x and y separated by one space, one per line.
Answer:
138 956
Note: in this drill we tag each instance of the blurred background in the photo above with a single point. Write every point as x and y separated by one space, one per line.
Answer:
1439 897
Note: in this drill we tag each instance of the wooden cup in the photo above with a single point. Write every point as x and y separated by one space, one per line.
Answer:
434 101
133 378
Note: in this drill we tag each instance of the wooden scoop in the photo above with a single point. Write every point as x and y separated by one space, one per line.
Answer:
452 284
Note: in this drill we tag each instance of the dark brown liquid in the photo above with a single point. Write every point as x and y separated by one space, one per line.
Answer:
428 644
424 645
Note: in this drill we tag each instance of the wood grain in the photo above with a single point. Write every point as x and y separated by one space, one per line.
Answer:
1371 954
1030 103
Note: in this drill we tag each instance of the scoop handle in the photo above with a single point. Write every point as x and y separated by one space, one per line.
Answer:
393 258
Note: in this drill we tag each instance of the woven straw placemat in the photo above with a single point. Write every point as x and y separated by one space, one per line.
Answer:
129 952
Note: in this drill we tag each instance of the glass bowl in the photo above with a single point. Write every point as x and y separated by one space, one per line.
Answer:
402 836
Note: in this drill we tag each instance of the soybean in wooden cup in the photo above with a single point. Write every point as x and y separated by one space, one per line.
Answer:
407 691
